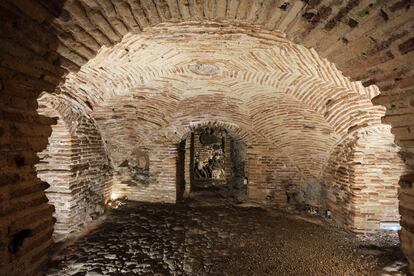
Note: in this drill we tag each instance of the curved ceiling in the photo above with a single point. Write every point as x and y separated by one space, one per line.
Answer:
152 85
345 32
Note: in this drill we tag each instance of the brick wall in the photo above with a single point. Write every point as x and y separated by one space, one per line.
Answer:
75 165
188 165
29 65
362 180
338 177
55 168
267 169
377 167
161 186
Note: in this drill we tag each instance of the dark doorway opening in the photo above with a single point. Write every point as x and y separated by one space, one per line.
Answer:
181 171
211 162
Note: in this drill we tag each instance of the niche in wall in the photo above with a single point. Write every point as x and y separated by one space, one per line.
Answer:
134 170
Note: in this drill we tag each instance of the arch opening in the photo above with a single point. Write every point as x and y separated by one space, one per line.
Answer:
212 162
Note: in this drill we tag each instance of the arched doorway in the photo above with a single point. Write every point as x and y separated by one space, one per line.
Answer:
212 161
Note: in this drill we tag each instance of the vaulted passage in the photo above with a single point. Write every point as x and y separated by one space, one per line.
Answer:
223 129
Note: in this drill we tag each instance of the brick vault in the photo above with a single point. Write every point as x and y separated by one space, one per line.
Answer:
98 96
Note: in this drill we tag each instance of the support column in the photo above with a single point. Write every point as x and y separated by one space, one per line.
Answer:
228 166
187 166
163 171
253 170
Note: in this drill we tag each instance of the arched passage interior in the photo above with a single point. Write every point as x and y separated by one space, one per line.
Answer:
291 125
212 160
377 67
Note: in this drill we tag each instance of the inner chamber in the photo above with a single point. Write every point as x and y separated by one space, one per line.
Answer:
247 114
211 162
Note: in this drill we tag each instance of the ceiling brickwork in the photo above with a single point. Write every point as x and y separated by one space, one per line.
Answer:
152 83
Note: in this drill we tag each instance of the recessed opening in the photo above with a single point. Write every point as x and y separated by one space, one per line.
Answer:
212 164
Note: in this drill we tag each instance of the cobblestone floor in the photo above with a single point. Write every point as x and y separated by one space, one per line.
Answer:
220 239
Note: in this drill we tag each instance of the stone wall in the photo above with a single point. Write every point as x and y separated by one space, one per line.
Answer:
269 172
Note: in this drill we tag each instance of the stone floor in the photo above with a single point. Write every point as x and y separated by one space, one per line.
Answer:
220 239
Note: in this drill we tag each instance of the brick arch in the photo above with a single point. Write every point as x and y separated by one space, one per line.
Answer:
58 173
364 165
74 164
187 138
137 118
289 70
279 61
290 126
46 39
346 99
349 107
261 157
234 130
223 110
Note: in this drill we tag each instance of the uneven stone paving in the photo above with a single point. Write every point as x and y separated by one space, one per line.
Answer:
204 239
